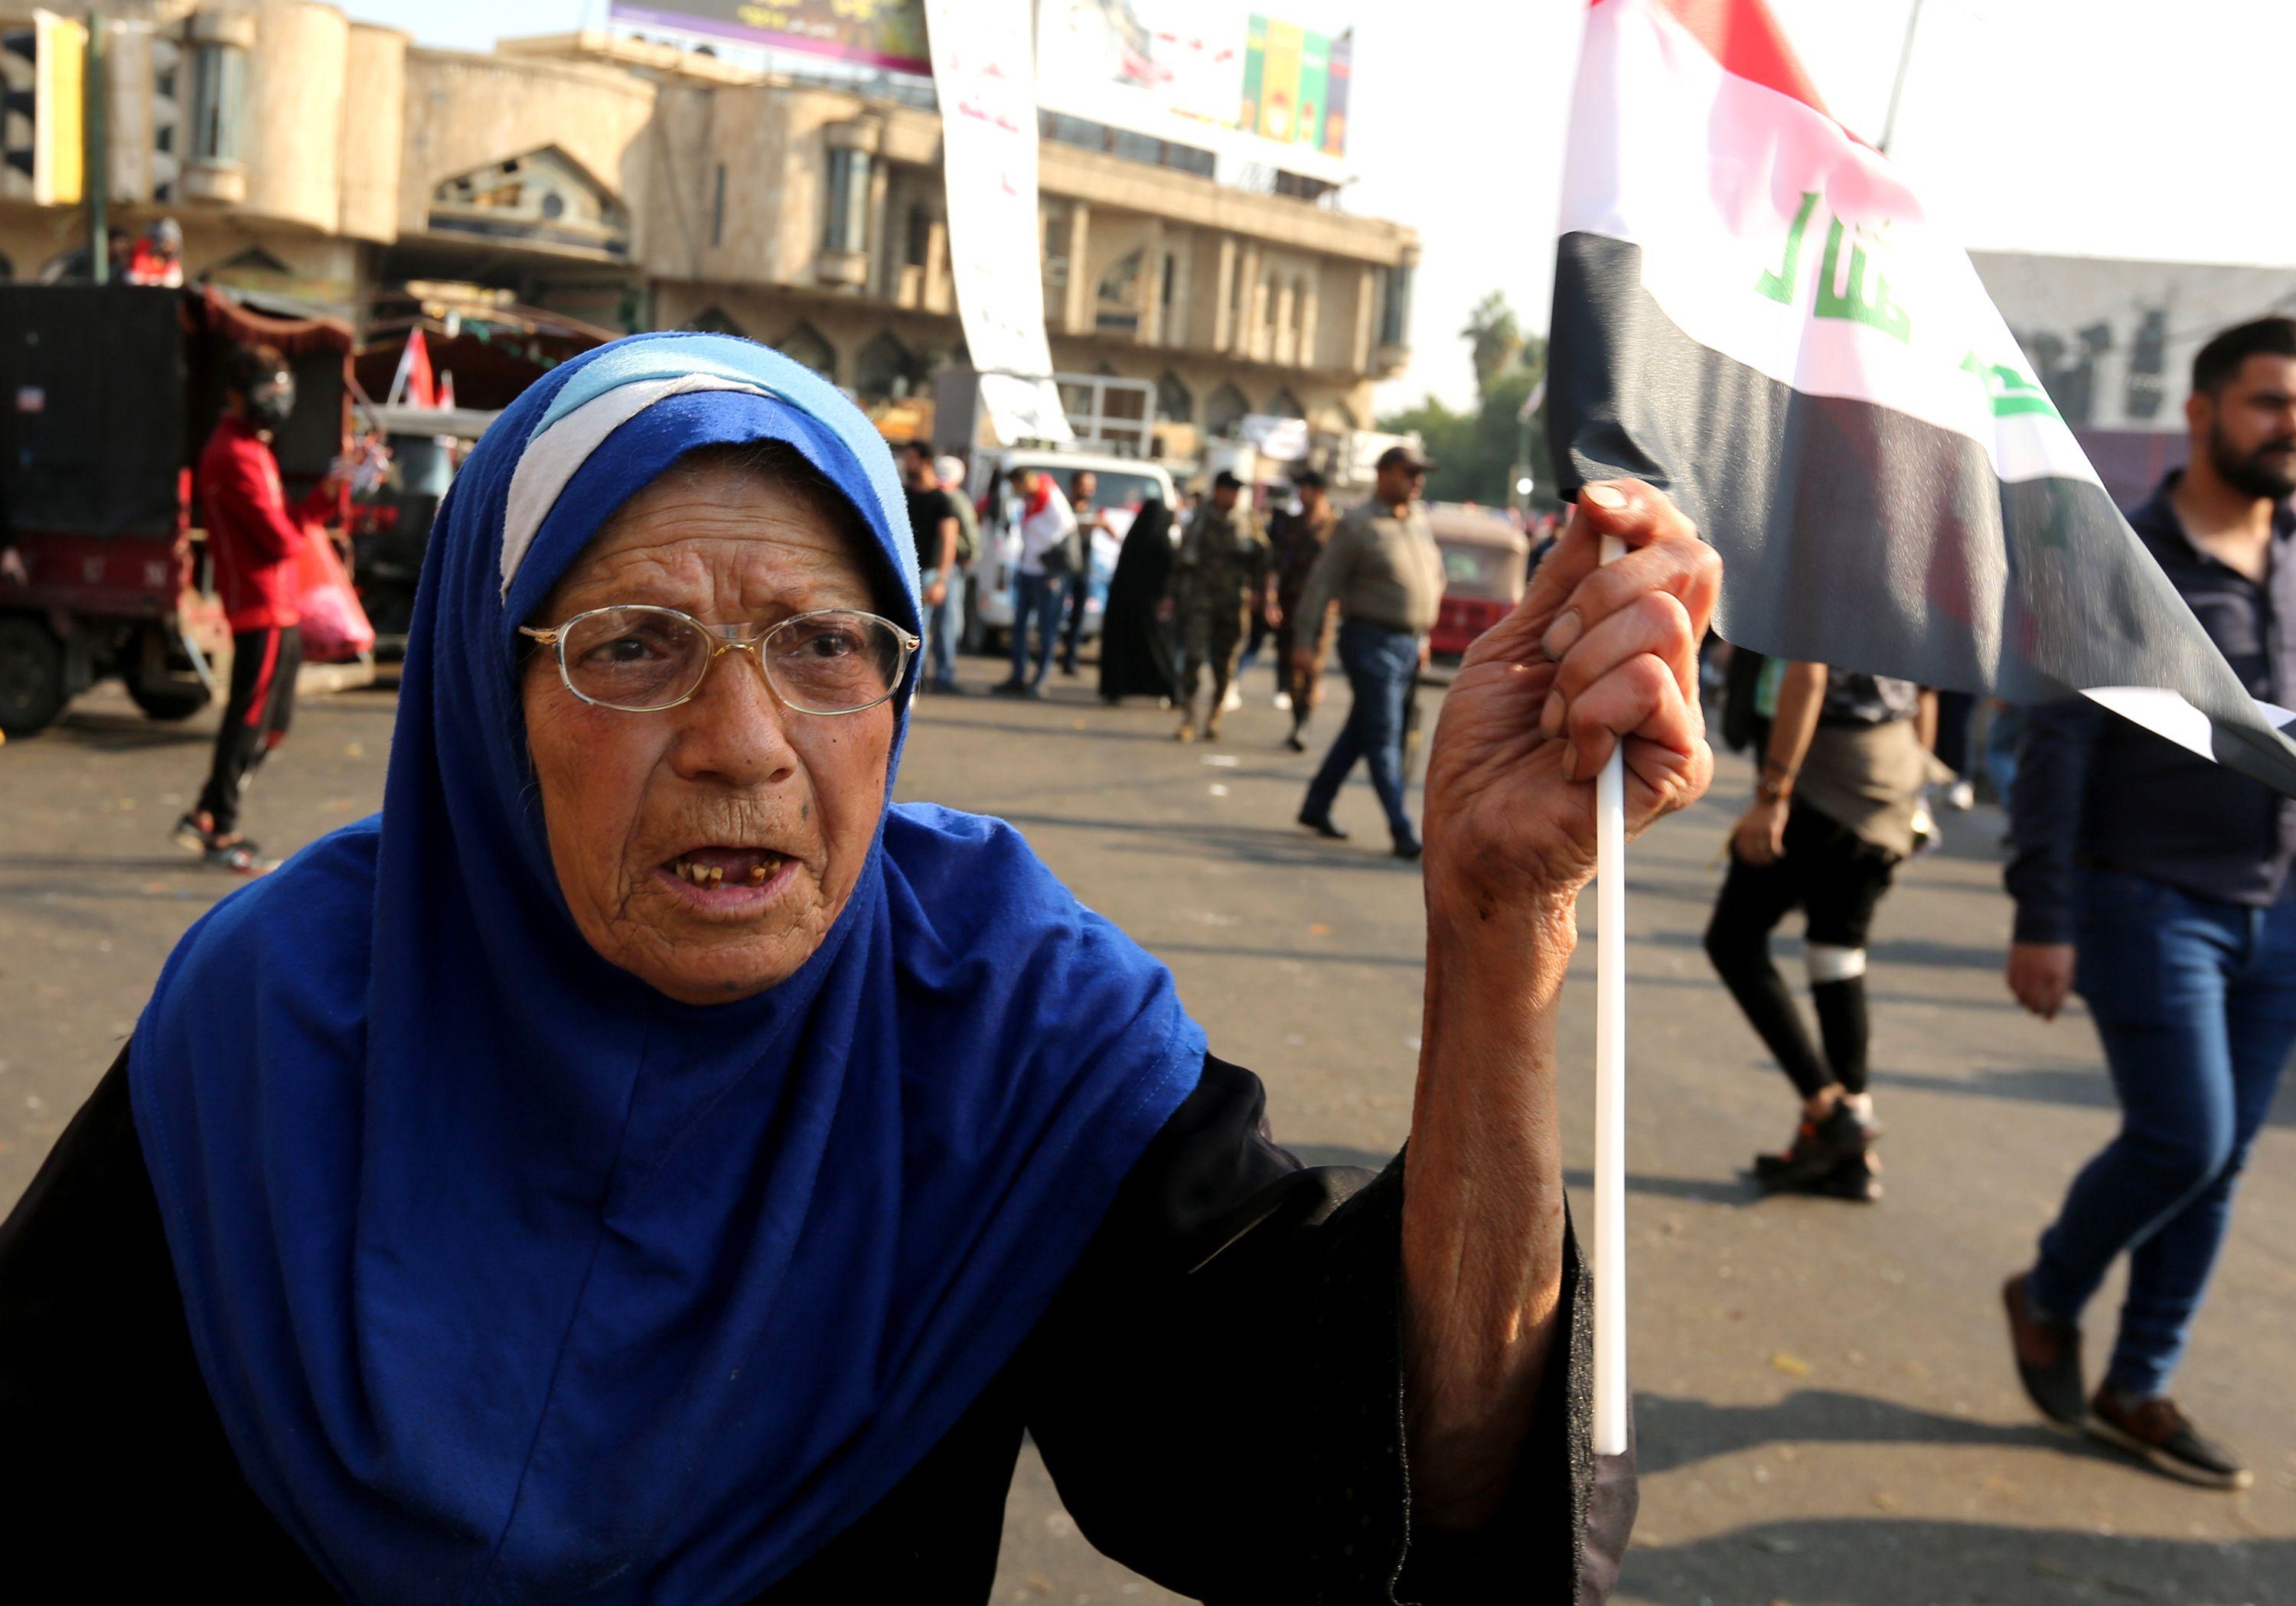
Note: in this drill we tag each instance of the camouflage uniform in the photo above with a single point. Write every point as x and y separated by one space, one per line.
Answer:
1297 541
1216 576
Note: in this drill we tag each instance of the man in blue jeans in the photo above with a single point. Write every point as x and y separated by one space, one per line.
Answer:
1049 555
1383 570
2156 885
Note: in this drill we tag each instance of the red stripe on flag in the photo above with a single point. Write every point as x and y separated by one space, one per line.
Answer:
257 703
1747 40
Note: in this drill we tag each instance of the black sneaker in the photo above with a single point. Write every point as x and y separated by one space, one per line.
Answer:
1857 1179
1408 848
2156 1432
1818 1147
2048 1356
1321 824
1294 745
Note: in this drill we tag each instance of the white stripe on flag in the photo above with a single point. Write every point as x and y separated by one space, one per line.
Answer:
1707 172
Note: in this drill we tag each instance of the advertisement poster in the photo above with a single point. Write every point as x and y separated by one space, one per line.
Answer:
1206 73
984 73
869 33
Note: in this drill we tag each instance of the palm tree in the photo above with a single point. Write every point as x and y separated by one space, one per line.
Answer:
1494 339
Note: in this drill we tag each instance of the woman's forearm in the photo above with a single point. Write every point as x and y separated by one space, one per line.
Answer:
1483 1208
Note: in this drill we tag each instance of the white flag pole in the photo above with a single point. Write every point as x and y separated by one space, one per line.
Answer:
1611 1093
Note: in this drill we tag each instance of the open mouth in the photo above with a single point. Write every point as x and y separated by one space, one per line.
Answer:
727 869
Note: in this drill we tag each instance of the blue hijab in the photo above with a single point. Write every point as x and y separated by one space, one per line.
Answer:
514 1280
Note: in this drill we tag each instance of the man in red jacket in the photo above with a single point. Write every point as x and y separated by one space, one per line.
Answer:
253 536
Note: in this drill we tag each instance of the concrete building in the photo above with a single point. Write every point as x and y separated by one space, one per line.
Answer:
637 185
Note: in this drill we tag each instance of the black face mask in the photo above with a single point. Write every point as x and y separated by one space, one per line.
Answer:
269 401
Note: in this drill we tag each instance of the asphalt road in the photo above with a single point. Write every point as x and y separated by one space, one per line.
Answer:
1826 1408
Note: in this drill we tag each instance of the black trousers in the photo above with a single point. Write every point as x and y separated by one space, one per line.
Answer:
1837 881
1076 597
263 665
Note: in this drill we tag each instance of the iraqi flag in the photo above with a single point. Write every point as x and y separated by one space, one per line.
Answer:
1754 313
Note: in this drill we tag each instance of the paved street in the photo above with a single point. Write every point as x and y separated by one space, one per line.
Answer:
1826 1412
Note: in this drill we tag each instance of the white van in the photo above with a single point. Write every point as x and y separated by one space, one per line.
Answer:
1125 484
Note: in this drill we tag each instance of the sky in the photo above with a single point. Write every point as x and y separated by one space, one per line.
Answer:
2075 127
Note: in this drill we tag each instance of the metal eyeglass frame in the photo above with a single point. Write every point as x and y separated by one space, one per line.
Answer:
729 638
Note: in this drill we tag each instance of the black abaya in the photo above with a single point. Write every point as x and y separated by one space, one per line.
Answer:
1135 646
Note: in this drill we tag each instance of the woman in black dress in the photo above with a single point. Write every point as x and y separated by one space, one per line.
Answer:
645 1165
1135 644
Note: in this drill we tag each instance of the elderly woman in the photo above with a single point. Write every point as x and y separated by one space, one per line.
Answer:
643 1164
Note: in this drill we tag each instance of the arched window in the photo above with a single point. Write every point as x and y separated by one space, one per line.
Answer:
807 345
1116 302
1174 402
714 319
887 370
1224 411
1284 404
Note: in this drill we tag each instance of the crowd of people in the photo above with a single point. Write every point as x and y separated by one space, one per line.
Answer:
1181 613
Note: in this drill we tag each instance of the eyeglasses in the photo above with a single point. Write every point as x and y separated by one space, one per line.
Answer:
641 659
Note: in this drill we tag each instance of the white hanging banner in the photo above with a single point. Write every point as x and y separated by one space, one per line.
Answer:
985 75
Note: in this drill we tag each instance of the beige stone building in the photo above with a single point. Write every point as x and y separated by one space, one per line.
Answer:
638 185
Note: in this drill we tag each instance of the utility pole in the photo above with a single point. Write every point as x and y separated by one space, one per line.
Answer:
1897 89
95 159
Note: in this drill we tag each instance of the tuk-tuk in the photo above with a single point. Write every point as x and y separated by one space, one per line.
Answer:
107 394
390 524
1484 570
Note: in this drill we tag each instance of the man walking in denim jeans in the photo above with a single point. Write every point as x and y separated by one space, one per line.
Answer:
1384 568
2156 885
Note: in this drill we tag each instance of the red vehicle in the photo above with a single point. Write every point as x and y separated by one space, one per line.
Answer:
1484 560
106 395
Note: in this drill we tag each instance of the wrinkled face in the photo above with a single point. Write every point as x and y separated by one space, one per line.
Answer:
781 806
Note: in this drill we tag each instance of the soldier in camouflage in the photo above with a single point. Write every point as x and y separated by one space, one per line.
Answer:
1218 576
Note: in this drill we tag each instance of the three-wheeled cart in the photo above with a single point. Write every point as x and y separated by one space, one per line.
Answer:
107 394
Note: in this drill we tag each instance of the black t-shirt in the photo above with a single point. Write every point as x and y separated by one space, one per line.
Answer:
927 509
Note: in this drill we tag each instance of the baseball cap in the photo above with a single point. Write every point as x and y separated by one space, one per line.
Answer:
949 471
1404 457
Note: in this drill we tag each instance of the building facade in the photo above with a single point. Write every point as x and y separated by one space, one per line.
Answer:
640 185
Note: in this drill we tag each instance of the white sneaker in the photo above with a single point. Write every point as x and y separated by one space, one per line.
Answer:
1283 702
1233 700
1961 796
1927 837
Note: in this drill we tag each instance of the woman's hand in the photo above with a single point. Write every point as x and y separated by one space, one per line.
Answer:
1594 655
1591 657
1760 836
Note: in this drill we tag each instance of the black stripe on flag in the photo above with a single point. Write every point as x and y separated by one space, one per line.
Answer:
1859 536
